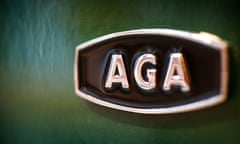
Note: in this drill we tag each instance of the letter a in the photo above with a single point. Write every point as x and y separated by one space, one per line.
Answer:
116 72
176 73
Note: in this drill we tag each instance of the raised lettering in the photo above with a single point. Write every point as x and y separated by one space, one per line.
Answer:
151 73
116 72
176 73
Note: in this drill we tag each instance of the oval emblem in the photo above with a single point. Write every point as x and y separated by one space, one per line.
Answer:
153 71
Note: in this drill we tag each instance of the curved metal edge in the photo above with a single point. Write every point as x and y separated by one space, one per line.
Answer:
202 37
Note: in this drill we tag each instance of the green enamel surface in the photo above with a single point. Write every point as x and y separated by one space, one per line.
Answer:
37 46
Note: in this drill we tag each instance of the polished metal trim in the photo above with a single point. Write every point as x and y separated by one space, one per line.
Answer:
202 37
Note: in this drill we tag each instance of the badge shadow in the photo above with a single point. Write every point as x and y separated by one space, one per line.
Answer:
227 111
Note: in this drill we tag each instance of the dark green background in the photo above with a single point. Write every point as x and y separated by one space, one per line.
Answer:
37 46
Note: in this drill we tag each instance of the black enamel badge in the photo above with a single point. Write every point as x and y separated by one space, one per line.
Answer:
153 71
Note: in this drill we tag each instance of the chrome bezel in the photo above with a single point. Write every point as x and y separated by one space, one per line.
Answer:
202 37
